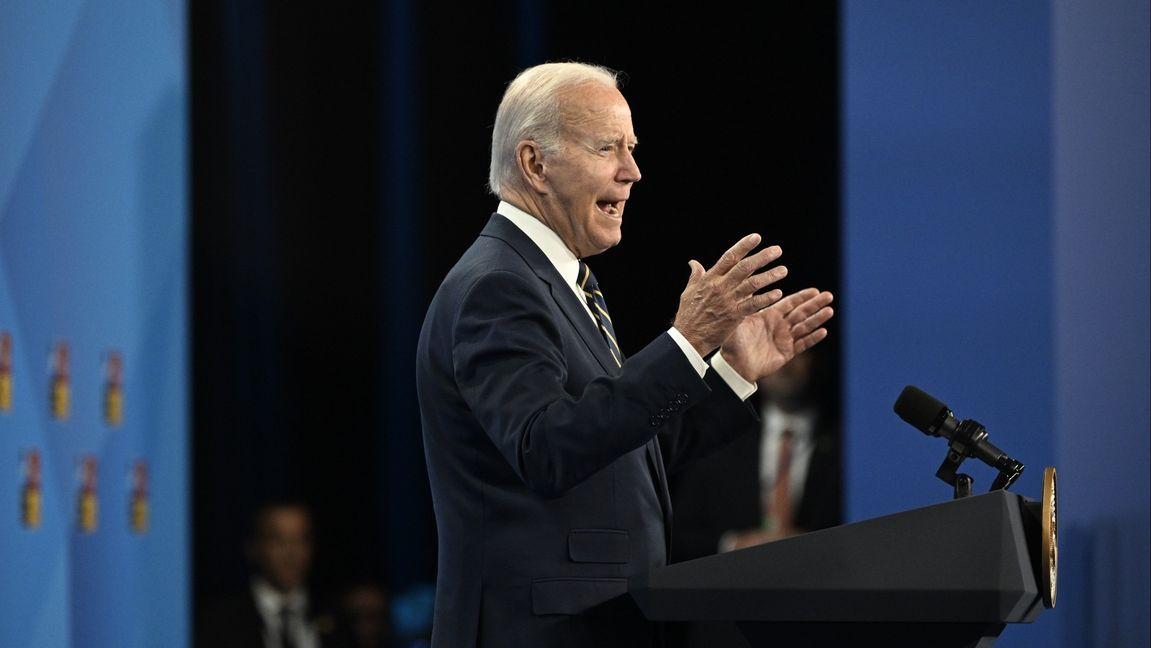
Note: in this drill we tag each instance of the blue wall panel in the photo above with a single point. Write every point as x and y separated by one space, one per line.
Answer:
948 238
996 165
93 220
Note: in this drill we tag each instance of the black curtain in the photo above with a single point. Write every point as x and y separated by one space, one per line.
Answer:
339 164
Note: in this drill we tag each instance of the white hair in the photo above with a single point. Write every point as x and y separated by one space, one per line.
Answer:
530 110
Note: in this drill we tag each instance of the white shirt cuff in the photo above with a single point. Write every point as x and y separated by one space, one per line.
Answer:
693 356
741 387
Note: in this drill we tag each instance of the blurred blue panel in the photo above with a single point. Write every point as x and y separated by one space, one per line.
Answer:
93 220
1102 166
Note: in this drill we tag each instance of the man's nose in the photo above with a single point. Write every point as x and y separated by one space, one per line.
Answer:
629 169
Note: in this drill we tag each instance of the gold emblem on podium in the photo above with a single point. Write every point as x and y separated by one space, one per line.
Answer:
1050 545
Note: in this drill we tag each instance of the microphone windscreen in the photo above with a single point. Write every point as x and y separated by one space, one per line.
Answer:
919 408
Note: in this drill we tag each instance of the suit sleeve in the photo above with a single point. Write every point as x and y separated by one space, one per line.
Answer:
513 372
708 426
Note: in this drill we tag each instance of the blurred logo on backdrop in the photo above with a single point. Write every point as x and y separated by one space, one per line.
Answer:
113 388
87 504
60 392
138 507
30 496
5 372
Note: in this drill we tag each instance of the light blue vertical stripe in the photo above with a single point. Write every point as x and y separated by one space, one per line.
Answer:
1102 166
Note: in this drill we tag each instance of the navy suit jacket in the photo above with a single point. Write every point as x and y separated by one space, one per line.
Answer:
547 475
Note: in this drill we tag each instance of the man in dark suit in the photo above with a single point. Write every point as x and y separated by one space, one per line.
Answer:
731 499
737 497
545 446
274 611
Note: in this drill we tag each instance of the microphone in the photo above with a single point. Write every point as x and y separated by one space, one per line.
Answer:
967 438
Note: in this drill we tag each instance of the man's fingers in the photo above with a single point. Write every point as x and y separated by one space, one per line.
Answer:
789 303
812 322
758 282
736 253
804 309
811 339
747 266
696 270
756 303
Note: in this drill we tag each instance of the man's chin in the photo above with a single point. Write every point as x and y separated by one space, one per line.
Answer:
605 243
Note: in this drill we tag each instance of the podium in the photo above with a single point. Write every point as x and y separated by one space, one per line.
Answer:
948 575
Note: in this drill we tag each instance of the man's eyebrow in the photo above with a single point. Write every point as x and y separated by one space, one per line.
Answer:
629 141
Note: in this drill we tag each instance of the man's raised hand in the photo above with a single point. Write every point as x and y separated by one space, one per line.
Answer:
769 339
717 300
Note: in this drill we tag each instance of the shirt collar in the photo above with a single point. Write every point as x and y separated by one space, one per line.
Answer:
546 240
269 600
777 420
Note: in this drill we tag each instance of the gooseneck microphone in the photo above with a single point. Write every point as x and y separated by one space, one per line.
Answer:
966 438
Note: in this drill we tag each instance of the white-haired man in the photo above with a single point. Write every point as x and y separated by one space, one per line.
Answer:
546 447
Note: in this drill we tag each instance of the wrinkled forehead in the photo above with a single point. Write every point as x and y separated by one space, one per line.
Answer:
596 109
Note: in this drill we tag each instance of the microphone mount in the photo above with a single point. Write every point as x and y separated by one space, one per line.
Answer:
968 436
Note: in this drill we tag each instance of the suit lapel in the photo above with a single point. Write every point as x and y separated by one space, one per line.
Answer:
563 294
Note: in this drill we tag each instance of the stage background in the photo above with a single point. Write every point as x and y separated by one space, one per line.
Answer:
995 222
340 166
93 218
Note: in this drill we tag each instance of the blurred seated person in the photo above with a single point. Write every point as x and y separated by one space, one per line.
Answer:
735 498
273 612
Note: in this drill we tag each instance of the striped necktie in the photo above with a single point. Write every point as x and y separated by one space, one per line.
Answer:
598 306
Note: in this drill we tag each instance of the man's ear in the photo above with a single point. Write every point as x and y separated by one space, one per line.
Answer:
530 158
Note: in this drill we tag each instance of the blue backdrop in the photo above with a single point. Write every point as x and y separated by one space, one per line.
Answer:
996 234
93 324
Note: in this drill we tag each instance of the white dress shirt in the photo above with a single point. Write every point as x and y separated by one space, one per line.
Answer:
270 602
567 264
801 424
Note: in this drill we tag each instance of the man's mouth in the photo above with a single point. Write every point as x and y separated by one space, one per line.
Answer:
610 207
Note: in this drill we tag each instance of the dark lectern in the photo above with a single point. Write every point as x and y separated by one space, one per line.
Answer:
947 575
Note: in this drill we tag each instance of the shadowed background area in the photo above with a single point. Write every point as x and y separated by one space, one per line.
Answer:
341 163
251 204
